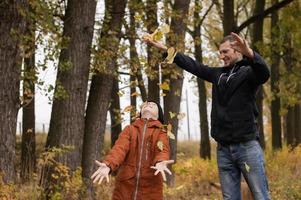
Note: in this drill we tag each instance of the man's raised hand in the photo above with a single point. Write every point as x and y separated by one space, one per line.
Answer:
241 45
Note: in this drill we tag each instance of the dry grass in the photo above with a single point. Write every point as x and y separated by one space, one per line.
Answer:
195 177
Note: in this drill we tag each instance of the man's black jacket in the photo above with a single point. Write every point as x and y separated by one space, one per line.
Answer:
234 111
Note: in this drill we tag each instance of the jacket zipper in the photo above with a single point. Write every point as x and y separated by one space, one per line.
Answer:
140 159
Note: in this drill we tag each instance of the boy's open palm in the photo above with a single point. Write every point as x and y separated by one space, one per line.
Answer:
162 168
101 173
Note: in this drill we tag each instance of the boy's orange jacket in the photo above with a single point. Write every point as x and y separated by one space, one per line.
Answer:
139 146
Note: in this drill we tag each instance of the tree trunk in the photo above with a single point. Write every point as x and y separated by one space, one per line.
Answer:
153 54
289 64
101 88
172 99
228 20
275 107
298 124
290 124
68 111
28 155
205 150
115 113
12 27
257 34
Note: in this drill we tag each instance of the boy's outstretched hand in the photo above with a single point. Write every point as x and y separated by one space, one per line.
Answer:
101 173
162 168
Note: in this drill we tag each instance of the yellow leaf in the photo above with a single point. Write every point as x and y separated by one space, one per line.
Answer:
171 54
135 94
247 167
179 187
158 36
120 94
138 17
165 28
160 145
171 135
162 94
181 116
164 86
172 114
128 108
169 127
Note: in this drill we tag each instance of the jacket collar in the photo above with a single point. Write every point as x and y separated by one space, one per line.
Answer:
150 123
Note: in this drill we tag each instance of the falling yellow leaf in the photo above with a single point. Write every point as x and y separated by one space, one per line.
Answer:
160 145
164 86
247 167
120 94
179 187
162 94
181 116
165 28
135 94
172 114
138 17
158 36
128 108
171 135
171 54
169 127
158 33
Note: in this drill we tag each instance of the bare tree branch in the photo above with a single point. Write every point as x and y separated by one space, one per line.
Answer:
268 11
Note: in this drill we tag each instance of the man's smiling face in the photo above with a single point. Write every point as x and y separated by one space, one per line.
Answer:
228 54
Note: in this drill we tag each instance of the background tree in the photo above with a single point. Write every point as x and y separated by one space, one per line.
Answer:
105 70
115 112
275 64
12 27
257 39
153 54
28 155
174 75
205 150
67 117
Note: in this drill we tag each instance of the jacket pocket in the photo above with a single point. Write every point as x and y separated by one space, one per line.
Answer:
125 172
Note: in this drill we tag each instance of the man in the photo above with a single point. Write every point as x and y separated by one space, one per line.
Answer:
234 112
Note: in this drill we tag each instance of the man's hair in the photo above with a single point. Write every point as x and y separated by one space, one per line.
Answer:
229 38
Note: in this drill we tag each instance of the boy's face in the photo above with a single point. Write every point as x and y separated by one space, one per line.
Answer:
149 110
229 55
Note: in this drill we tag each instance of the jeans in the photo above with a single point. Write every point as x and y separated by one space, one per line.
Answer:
243 158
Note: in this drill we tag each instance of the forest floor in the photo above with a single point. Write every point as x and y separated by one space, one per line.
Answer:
195 178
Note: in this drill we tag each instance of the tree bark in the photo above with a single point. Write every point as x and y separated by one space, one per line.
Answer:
290 124
228 14
28 155
12 27
275 104
101 88
68 111
205 149
115 113
262 15
297 124
257 34
172 99
153 54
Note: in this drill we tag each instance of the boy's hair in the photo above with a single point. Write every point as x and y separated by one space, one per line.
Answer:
160 112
